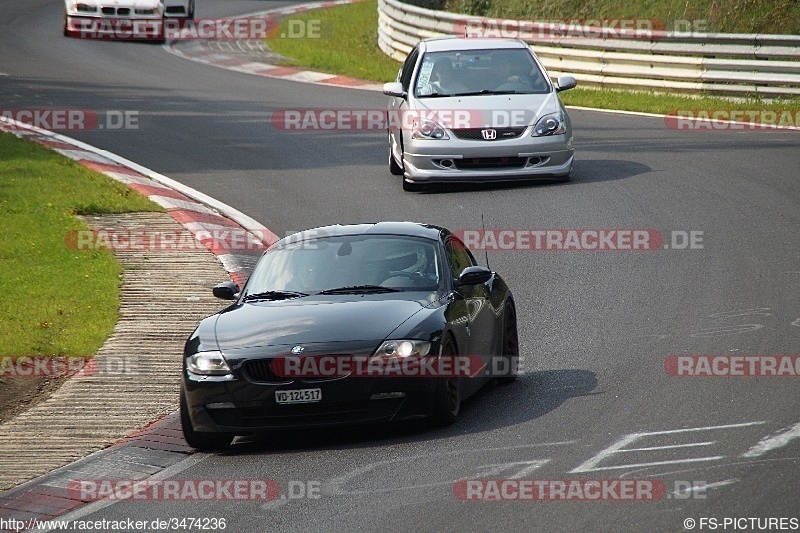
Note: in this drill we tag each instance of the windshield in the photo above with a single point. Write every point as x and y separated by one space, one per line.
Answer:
477 72
355 262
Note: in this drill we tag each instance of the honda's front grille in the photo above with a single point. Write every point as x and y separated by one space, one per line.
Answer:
494 134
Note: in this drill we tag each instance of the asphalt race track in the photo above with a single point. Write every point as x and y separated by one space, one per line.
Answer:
595 401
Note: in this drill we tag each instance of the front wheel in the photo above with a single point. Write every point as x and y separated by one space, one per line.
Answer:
204 442
510 344
447 400
394 168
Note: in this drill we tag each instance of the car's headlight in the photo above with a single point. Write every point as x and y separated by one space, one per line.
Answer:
552 124
426 128
402 350
208 364
84 8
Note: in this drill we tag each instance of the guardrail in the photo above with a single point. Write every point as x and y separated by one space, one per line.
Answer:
723 64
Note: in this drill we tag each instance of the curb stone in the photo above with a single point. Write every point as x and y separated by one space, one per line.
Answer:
41 439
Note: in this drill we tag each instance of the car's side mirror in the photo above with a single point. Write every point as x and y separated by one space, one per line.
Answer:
394 89
473 275
227 290
565 83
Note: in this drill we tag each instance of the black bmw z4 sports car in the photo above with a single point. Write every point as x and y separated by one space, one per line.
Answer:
348 324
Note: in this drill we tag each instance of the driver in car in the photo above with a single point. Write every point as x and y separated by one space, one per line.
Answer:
444 78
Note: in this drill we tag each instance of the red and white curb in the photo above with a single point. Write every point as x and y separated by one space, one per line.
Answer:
196 51
198 213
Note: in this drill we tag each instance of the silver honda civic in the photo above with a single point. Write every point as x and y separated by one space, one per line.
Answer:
476 110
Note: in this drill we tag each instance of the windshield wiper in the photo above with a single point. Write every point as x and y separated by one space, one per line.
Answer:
487 91
274 295
435 95
355 289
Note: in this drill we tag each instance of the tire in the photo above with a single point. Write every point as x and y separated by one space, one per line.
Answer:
510 344
447 400
204 442
66 31
394 168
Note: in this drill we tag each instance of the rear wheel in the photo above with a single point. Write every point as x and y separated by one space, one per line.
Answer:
204 442
510 344
447 401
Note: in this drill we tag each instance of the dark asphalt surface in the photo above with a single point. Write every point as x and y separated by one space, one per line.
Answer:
595 327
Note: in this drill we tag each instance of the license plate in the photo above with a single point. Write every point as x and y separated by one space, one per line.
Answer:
298 396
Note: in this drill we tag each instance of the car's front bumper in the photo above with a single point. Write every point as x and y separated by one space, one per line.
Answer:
108 27
457 160
242 407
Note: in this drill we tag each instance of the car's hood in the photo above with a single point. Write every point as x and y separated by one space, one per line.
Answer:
308 321
499 110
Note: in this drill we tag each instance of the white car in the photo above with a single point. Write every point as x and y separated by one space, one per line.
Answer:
466 110
123 18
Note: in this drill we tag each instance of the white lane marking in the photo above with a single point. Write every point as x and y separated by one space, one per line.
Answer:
102 504
703 487
778 440
334 487
652 448
757 311
702 468
726 330
620 447
495 468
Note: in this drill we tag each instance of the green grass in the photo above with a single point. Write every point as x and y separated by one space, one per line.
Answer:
349 47
347 44
663 104
726 16
54 300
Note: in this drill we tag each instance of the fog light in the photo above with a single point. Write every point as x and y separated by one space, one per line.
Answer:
387 395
